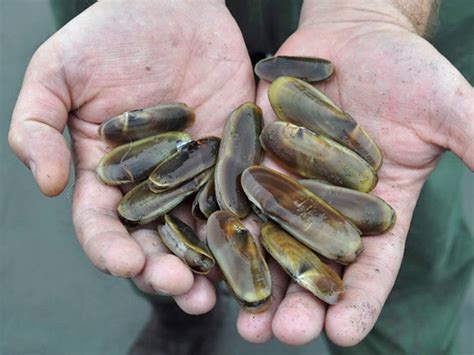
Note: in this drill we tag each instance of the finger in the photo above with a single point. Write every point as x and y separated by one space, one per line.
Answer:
103 237
200 299
163 273
369 280
257 328
38 122
299 318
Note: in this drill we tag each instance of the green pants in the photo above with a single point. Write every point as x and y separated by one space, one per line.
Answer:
421 315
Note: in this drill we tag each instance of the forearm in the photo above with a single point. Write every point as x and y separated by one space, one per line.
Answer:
414 15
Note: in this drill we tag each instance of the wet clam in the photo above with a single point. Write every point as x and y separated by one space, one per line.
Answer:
191 159
305 68
133 162
302 214
141 205
238 150
369 213
313 155
137 124
302 264
241 262
181 240
205 202
298 102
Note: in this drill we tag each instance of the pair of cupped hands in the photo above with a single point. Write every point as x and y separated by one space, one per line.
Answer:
118 56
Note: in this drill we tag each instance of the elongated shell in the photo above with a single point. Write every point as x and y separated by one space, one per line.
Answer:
137 124
142 206
302 264
190 160
241 262
205 202
181 240
369 213
298 102
239 149
305 68
302 214
313 155
133 162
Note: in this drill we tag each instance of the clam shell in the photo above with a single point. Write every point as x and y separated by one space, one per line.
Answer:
302 264
137 124
369 213
309 69
242 264
238 150
191 159
298 102
302 214
313 155
133 162
183 242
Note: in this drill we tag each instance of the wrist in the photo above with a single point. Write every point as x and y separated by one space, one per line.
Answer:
412 15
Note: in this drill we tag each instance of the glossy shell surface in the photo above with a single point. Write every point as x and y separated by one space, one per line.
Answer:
302 264
242 264
369 213
133 162
298 102
184 243
137 124
305 68
191 159
238 150
313 155
141 205
302 214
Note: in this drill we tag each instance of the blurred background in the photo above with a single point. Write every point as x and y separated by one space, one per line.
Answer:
52 301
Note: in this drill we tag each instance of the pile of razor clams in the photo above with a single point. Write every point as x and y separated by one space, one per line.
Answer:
305 222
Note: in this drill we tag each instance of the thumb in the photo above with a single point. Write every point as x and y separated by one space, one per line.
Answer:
38 122
456 131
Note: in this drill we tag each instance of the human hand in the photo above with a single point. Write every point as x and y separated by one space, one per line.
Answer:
114 57
415 105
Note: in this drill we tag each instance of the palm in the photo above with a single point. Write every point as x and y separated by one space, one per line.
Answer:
400 89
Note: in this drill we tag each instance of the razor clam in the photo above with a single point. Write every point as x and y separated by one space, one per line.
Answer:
205 202
313 155
369 213
181 240
142 206
241 262
302 264
298 102
190 160
309 69
239 149
133 162
137 124
302 214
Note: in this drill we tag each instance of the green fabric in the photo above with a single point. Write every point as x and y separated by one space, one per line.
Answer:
421 315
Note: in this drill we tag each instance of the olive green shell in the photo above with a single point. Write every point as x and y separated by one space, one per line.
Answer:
305 68
369 213
181 240
137 124
133 162
313 155
302 264
239 149
302 214
298 102
242 264
141 205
